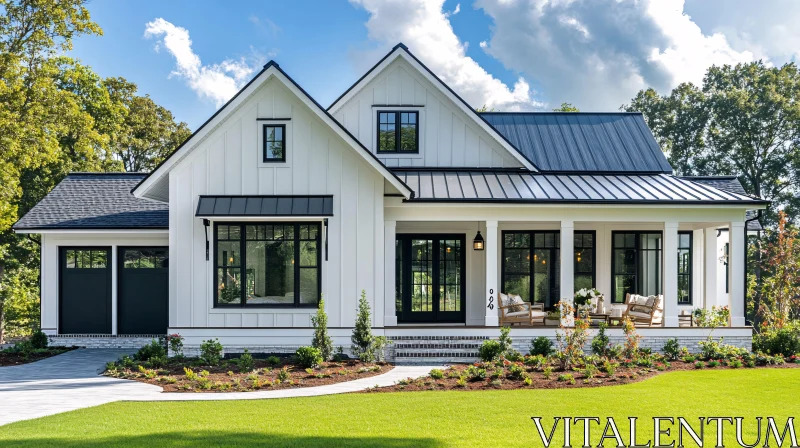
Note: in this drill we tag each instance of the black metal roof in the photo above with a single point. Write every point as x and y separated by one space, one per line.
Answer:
515 186
212 206
732 184
618 142
95 201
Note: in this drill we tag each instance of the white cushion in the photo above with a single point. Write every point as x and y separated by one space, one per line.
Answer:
517 314
538 314
639 315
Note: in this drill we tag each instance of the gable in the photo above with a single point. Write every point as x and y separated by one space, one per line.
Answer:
271 95
451 133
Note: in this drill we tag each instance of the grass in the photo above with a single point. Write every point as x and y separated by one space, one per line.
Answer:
422 419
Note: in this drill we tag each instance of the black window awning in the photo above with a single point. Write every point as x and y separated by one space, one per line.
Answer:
253 206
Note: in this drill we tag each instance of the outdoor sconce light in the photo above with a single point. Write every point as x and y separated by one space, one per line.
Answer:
477 243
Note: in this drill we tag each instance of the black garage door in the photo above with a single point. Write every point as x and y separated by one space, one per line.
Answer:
85 296
143 290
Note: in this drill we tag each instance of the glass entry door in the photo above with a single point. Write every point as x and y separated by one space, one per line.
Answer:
430 278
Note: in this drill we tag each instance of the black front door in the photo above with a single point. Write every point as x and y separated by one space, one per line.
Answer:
85 290
430 278
143 293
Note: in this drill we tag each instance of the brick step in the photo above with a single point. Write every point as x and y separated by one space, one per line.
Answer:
439 338
435 360
436 346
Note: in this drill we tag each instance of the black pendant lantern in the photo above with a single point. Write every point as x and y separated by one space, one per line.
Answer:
477 243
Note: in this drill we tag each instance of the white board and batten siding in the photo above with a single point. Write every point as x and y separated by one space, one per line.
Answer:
318 162
447 136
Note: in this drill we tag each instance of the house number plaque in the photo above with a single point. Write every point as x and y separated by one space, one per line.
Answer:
491 299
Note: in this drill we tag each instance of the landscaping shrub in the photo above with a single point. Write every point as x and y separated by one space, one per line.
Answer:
322 340
490 350
308 357
157 362
610 367
39 340
600 342
779 341
631 348
505 339
437 374
246 362
175 342
541 346
571 340
671 349
152 350
211 352
711 349
475 373
516 371
274 360
535 361
366 347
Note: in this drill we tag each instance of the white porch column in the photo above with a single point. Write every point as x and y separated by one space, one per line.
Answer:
670 274
736 266
711 267
567 280
389 251
492 251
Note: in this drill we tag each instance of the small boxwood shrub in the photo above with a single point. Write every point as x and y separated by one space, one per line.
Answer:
245 362
211 352
308 357
542 346
490 350
152 350
437 374
671 349
39 340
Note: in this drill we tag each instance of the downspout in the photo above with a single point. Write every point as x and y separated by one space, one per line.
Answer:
747 221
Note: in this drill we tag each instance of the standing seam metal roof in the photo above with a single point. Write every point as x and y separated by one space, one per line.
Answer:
582 141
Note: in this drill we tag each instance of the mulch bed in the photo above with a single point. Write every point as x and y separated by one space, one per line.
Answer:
16 359
507 381
266 376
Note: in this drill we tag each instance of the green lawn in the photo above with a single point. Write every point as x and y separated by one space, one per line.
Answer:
420 419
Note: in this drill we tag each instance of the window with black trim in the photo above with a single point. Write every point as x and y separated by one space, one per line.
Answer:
398 132
87 259
146 258
274 136
635 264
685 268
585 271
267 265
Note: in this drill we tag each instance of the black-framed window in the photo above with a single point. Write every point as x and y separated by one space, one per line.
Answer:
274 136
146 258
532 264
685 268
585 267
281 263
726 252
398 132
636 264
86 258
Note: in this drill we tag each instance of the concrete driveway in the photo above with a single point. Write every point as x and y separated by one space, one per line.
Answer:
64 383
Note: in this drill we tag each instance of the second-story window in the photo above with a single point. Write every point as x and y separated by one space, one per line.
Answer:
398 132
274 143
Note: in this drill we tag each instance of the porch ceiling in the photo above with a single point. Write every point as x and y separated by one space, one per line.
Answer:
515 186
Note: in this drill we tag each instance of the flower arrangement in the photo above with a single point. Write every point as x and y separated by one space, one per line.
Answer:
584 296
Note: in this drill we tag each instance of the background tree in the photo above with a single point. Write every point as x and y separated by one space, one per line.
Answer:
744 121
58 116
566 107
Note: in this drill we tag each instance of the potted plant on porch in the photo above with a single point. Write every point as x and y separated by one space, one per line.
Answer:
589 300
553 318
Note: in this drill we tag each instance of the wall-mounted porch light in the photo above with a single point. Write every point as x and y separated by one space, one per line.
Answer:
477 243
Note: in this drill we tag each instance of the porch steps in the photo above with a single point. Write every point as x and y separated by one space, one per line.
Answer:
433 350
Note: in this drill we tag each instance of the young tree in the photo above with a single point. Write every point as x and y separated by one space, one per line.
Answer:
322 341
362 337
779 292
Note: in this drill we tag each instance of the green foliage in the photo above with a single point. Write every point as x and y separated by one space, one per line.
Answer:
566 378
274 360
284 375
516 371
566 107
571 340
246 362
322 340
671 349
211 352
711 349
541 346
600 342
152 350
490 350
610 367
39 339
436 374
744 121
475 373
779 341
505 339
362 338
308 357
778 295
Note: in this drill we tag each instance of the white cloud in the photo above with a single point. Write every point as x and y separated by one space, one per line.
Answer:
218 82
424 27
597 54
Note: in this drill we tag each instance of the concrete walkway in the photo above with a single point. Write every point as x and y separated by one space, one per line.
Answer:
70 381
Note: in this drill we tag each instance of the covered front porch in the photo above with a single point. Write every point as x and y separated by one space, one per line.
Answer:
434 276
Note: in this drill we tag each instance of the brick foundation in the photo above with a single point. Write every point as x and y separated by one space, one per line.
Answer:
102 340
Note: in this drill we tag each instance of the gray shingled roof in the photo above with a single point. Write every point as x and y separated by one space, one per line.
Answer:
732 184
96 201
583 142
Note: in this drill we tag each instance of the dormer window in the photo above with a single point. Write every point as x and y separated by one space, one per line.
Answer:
398 132
274 136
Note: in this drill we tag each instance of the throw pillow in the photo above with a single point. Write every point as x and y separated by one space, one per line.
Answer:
517 303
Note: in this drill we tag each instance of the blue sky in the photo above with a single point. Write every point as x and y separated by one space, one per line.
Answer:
508 54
